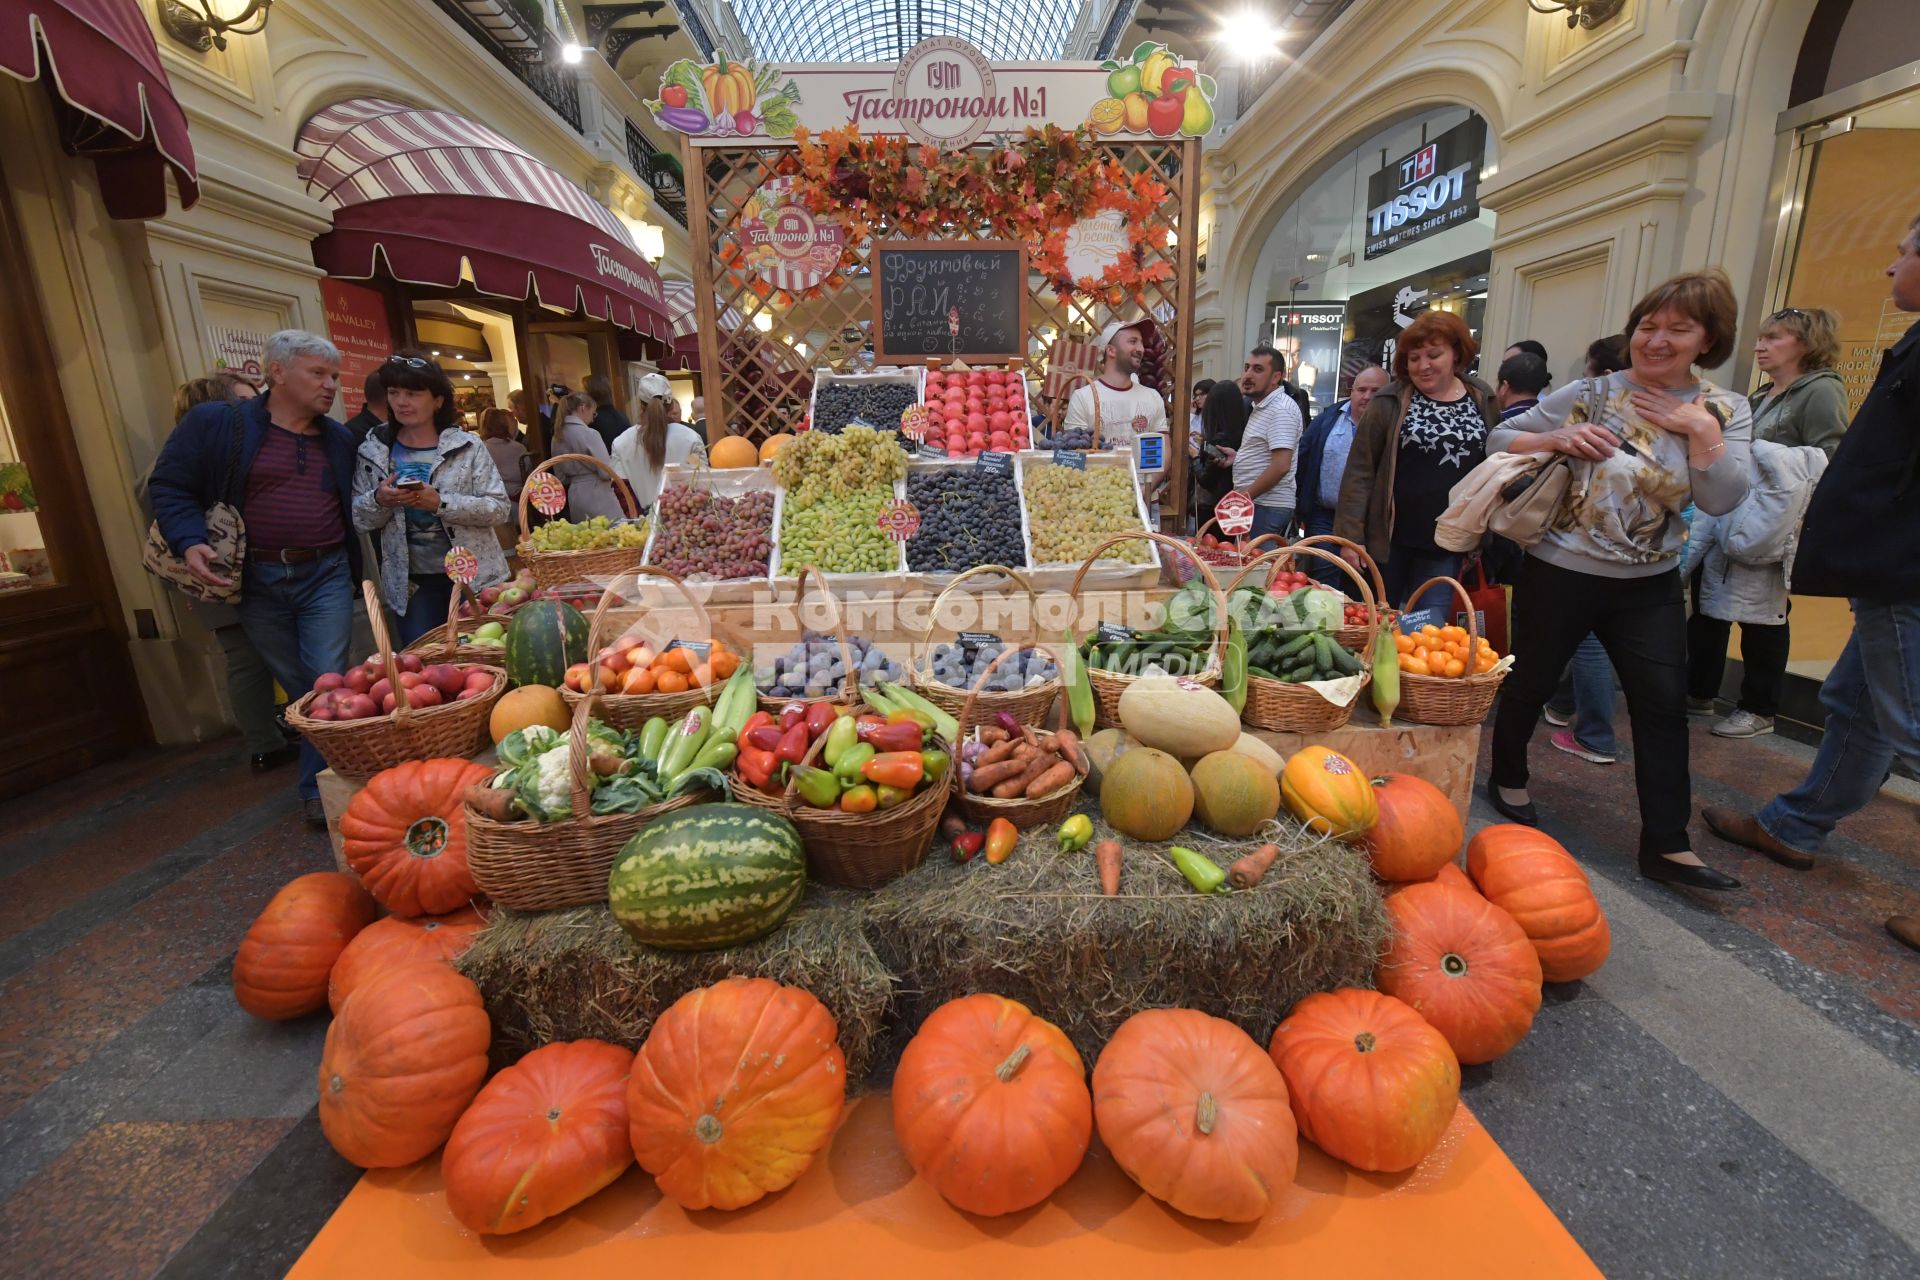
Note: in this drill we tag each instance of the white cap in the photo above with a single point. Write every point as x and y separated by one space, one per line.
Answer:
1113 330
655 386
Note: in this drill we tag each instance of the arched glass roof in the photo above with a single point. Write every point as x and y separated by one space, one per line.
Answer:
882 30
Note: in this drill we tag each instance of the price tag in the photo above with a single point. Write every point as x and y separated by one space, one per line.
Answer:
1153 451
900 519
462 566
930 451
1234 511
548 495
1113 633
994 464
913 422
1414 619
860 422
978 638
1070 458
697 649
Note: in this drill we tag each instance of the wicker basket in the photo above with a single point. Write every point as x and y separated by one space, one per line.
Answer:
444 645
859 850
1109 685
850 683
1281 707
1445 700
1029 705
566 568
1021 811
632 710
1181 564
1352 637
543 866
358 749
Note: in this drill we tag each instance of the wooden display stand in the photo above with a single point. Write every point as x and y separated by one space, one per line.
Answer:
335 794
1443 755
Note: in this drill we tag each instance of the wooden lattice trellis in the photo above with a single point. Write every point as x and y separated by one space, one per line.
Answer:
756 383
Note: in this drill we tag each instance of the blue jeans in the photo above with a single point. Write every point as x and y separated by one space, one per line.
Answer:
426 608
1587 692
1872 719
1316 525
1407 568
1270 520
300 619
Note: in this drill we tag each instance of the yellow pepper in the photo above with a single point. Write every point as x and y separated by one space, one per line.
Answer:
1075 833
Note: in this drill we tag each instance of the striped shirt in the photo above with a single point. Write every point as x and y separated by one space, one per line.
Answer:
291 502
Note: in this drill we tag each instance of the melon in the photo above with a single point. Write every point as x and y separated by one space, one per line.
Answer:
543 640
1233 793
1102 749
1146 795
733 451
1248 745
1180 717
713 875
528 705
772 445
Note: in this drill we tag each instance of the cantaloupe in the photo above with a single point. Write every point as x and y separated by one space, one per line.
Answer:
733 451
1146 795
1234 793
529 704
771 446
1181 717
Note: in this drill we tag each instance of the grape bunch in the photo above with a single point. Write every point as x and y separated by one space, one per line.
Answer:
836 404
1080 438
838 535
967 517
704 535
1070 512
961 664
596 534
815 668
818 465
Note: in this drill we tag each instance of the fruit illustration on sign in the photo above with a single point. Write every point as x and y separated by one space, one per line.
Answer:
1107 115
1164 114
1136 104
1154 70
729 87
1177 79
1124 81
674 95
1197 118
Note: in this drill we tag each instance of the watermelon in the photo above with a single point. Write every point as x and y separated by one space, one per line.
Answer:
713 875
543 640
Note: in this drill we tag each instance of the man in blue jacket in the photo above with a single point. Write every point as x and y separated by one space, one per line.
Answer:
1323 461
293 486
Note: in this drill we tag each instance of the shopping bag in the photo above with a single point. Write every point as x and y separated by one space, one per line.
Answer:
1493 603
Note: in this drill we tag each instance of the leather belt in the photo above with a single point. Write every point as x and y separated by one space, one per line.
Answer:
290 555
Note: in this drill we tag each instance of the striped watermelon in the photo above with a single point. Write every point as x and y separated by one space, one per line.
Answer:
543 640
713 875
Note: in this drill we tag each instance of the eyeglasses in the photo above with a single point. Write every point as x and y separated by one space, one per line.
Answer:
1784 312
411 362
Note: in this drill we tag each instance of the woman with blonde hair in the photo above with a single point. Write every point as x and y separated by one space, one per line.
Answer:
589 492
643 452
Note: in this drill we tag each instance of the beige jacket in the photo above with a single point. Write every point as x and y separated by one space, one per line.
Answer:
1472 502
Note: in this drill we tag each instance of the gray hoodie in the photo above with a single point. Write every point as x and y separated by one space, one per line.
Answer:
1811 411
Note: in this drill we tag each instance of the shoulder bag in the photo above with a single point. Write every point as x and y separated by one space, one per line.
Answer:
226 534
1529 504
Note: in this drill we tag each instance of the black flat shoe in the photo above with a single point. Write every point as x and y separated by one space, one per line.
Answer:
315 813
1523 814
1667 871
264 761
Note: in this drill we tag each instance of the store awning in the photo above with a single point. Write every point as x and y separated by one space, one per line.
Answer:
116 105
686 322
440 199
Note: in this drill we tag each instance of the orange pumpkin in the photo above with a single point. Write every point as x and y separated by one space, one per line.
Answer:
1464 966
1371 1082
1531 877
405 832
1196 1114
544 1134
281 968
1450 875
1418 829
990 1104
738 1086
387 944
403 1058
1328 793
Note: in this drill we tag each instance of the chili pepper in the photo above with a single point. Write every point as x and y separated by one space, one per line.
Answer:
852 760
820 718
1001 837
793 744
1203 873
1075 833
936 764
816 786
792 714
860 799
757 720
902 769
766 737
966 844
756 765
903 735
892 796
905 715
844 733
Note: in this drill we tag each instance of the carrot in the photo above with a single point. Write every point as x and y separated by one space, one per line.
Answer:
991 734
492 802
994 754
1067 743
1036 766
987 777
1106 855
1059 775
1246 872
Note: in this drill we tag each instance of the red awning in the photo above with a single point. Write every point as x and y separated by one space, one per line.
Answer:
117 105
424 191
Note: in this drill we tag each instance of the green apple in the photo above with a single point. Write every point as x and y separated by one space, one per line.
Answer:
1124 81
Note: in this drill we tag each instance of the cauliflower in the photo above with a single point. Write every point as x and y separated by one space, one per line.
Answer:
544 785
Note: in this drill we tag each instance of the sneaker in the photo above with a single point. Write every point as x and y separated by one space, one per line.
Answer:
1743 724
1701 707
1565 741
1558 719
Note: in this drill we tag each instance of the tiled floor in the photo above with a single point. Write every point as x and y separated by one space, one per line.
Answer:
1736 1094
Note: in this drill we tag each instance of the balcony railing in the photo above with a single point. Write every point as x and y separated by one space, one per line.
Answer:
552 82
659 171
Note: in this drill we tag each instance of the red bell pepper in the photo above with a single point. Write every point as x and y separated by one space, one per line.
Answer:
756 765
793 744
902 769
1002 835
966 844
754 721
920 718
870 721
820 718
792 714
766 737
904 735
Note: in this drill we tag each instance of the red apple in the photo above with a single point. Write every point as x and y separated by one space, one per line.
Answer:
411 662
359 680
479 681
411 680
330 681
360 707
320 713
381 688
446 677
467 693
388 704
422 696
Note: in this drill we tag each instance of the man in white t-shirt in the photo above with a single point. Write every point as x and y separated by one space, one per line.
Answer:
1263 465
1127 409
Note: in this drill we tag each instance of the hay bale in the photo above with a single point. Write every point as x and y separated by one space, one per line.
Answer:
568 975
1036 929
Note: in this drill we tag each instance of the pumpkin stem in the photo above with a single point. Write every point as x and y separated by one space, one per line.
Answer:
1007 1070
1205 1113
1364 1042
707 1129
427 838
553 1115
1454 965
335 1084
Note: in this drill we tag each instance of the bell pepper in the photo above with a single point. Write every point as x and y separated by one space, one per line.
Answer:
758 719
820 718
860 799
936 764
844 733
1202 872
902 769
901 735
793 744
966 844
766 737
757 766
892 796
903 715
852 761
792 714
1076 833
816 786
1002 835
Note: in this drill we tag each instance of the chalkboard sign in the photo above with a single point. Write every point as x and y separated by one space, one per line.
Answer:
1070 458
994 464
919 284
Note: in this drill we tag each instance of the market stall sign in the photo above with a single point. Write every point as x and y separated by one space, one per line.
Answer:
462 565
994 464
357 323
913 422
548 495
785 243
1428 190
1070 458
1234 512
900 519
919 285
1096 243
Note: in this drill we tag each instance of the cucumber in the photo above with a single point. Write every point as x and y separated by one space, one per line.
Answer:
1322 652
1294 648
1345 661
1262 672
1298 672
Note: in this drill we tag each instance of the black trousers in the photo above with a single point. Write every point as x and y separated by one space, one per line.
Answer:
1642 624
1763 661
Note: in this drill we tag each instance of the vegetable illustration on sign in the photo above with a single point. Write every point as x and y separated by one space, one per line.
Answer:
1153 92
726 97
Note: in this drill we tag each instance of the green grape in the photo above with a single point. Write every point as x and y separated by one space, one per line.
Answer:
591 535
838 534
1069 513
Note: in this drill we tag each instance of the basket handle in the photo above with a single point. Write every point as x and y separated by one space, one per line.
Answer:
1174 545
1473 621
461 591
1366 560
621 488
377 620
577 753
966 709
607 593
933 612
1060 406
1287 553
852 678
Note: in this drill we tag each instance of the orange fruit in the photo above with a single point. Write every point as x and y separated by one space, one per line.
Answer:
671 682
638 680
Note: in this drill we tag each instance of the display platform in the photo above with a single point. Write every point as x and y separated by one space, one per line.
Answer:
1443 755
860 1211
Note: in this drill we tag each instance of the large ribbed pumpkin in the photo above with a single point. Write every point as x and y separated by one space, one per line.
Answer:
403 1058
738 1086
397 940
1417 832
1196 1114
281 968
1463 965
990 1105
405 832
1450 875
1532 877
1328 793
1372 1083
544 1134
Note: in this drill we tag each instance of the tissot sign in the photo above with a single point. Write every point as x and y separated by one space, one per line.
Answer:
1428 190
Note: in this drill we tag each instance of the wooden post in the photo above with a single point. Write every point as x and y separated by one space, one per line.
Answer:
713 380
1187 267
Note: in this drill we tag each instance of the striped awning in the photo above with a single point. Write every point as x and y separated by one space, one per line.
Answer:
116 104
686 315
433 195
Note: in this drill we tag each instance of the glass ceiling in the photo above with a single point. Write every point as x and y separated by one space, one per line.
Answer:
882 30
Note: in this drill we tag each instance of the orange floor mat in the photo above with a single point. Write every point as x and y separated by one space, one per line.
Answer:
1465 1212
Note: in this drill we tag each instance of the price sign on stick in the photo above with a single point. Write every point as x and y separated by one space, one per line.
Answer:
913 422
462 566
1234 511
548 495
900 519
